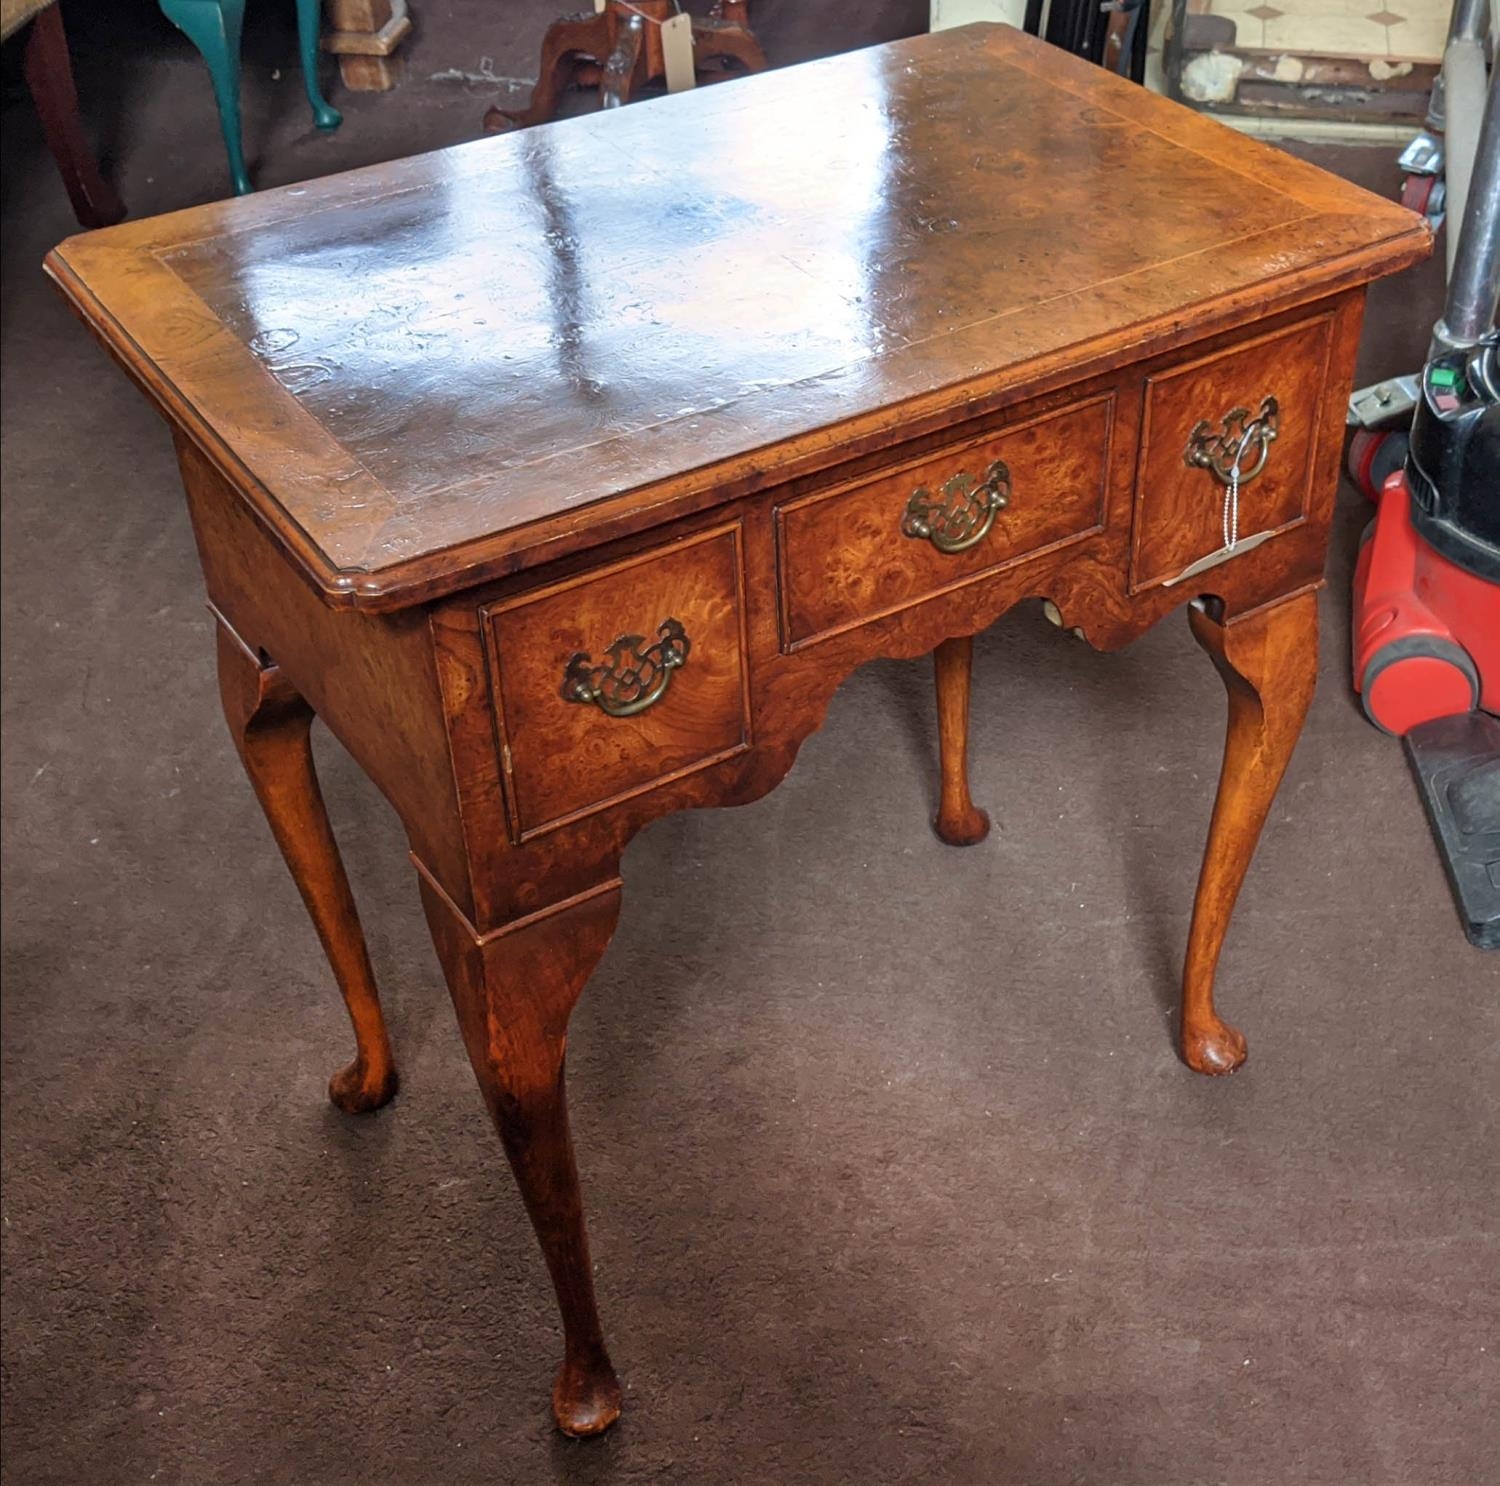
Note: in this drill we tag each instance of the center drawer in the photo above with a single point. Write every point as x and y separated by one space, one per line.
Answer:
613 681
873 547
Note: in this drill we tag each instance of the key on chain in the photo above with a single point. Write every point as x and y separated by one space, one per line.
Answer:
1232 508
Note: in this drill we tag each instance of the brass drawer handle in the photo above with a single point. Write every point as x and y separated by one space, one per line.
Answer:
963 514
1239 435
633 679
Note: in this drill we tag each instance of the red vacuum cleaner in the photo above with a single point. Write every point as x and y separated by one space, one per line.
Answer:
1427 584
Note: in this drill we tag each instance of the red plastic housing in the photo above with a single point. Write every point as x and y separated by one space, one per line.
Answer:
1426 633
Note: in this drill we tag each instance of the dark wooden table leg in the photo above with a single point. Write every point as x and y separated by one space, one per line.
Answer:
49 76
513 991
960 822
1269 662
271 724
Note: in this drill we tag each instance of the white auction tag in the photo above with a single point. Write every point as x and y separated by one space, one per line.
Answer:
677 52
599 6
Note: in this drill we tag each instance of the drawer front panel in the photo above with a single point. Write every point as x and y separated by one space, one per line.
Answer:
862 551
1207 410
617 679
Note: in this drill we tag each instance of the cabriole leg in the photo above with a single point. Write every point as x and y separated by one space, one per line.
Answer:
271 726
214 27
513 991
309 28
960 822
1269 662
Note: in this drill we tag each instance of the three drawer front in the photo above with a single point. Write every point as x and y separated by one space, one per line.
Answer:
620 678
861 551
1227 448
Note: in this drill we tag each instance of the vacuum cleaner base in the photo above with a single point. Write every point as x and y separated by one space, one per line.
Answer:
1457 764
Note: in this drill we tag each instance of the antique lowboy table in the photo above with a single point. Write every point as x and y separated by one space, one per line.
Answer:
566 475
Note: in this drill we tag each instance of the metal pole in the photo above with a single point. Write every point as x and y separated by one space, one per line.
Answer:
1469 21
1474 282
1464 90
1470 18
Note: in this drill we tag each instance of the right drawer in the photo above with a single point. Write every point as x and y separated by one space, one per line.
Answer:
1197 417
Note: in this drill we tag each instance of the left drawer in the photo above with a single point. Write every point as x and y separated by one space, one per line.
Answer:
620 678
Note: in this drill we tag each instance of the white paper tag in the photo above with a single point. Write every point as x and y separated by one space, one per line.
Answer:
599 6
677 52
1203 564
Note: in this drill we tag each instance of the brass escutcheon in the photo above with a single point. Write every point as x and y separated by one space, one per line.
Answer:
633 678
961 517
1222 453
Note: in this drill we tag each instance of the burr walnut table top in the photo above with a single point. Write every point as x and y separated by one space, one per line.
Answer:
431 372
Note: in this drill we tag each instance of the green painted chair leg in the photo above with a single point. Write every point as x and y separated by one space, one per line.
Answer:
214 27
309 24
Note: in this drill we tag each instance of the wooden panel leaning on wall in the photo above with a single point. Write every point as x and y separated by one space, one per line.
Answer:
561 538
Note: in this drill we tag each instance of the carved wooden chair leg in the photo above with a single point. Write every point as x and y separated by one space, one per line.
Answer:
271 724
1269 662
513 993
569 43
960 822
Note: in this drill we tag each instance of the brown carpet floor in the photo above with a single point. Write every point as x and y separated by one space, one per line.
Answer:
894 1175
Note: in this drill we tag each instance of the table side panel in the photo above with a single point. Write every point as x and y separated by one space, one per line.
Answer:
372 679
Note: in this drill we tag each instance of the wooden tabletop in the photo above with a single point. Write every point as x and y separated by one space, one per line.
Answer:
445 368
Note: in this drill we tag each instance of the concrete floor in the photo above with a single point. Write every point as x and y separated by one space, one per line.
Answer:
893 1173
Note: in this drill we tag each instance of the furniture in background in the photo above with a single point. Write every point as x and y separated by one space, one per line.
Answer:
365 36
49 77
214 27
1112 34
560 539
618 50
1297 60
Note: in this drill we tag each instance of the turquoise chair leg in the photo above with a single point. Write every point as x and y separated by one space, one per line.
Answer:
309 23
214 27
